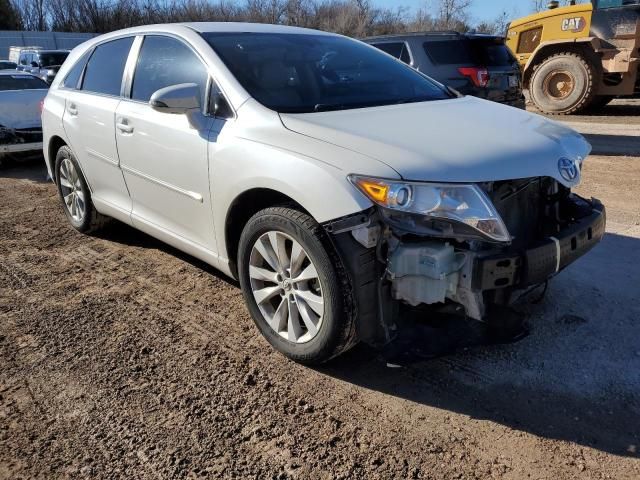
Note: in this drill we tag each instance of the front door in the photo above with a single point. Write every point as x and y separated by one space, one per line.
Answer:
164 158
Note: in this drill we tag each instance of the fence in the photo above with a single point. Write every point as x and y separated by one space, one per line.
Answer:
48 40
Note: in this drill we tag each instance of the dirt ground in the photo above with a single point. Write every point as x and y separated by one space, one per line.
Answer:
122 358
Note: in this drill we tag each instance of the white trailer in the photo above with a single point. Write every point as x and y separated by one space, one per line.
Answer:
14 52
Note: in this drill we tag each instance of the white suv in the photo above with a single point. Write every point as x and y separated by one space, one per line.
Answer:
340 186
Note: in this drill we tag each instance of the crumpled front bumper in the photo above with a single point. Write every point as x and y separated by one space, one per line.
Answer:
538 263
434 271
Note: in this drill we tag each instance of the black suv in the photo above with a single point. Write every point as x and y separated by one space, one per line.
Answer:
42 63
473 64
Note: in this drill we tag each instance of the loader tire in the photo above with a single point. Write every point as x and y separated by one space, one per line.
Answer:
564 84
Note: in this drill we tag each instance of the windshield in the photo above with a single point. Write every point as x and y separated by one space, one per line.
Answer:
21 82
294 73
53 58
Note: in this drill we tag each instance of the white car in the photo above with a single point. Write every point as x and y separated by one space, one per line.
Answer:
338 185
21 95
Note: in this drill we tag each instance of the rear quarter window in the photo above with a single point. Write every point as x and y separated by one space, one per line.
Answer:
72 79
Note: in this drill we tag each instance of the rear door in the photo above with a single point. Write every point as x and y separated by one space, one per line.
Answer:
89 120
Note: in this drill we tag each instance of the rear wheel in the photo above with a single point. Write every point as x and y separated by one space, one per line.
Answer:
564 84
295 286
75 194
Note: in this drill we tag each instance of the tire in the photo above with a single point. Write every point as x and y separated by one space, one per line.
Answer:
292 305
70 182
564 84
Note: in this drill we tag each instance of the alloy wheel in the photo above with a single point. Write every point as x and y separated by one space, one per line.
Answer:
286 287
72 193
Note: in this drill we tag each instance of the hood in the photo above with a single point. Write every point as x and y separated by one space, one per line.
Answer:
459 140
21 108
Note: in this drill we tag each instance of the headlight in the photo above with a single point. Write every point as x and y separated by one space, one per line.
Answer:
462 204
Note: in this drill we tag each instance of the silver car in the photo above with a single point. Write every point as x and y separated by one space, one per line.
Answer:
340 186
21 96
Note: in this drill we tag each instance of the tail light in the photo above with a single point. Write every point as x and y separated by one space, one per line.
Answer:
479 76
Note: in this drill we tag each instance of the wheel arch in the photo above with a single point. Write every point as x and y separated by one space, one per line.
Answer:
55 143
242 208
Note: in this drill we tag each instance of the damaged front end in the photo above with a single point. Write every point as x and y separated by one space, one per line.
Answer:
476 246
20 142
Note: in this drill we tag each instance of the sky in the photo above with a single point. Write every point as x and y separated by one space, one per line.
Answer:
480 9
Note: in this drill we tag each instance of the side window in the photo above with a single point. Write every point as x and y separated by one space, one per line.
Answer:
529 40
103 73
73 77
23 59
397 49
165 61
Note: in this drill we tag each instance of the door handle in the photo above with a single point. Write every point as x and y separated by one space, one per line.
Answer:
72 109
124 127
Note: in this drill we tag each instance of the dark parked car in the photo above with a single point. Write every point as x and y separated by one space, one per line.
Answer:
7 65
473 64
42 63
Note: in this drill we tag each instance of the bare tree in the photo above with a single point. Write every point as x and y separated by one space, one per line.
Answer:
9 16
498 26
452 13
32 14
357 18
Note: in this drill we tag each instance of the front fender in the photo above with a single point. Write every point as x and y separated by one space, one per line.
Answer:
322 190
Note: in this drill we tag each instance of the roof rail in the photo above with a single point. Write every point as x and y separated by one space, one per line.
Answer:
415 34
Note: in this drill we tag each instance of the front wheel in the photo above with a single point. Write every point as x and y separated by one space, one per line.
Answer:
564 84
295 286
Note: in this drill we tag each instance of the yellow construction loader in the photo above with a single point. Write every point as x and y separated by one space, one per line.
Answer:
579 57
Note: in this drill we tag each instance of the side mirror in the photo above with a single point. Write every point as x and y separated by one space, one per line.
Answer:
177 99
